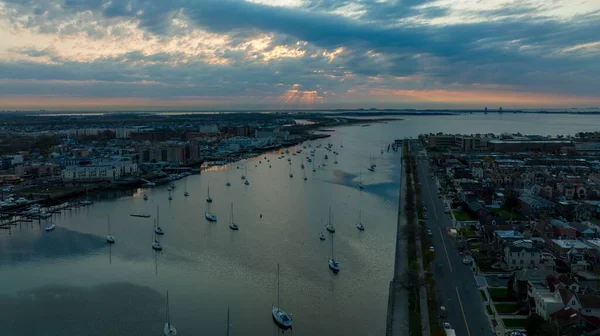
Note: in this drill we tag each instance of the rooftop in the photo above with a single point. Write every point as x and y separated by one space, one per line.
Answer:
569 243
506 234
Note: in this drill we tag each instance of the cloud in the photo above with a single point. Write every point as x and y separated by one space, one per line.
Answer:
235 48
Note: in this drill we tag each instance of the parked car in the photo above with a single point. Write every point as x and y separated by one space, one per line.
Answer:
431 249
447 325
467 261
443 312
425 216
429 233
424 208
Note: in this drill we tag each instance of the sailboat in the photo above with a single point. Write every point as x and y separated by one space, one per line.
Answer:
244 174
291 174
360 184
208 199
359 224
321 236
232 224
157 228
186 193
314 170
170 196
169 329
304 173
86 201
145 197
109 239
227 179
246 182
334 265
329 225
281 318
155 243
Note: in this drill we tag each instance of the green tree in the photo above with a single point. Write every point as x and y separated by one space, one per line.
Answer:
533 323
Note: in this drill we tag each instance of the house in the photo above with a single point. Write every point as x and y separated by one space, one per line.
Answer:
590 305
573 322
581 230
521 254
534 206
477 209
561 247
526 276
506 237
562 229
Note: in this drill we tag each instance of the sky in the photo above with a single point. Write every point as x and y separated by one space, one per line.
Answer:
298 54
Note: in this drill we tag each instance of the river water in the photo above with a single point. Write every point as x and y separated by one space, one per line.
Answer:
69 282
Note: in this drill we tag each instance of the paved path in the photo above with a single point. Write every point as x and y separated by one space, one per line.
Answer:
399 304
423 292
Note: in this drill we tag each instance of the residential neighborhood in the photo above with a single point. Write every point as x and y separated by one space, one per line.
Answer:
526 211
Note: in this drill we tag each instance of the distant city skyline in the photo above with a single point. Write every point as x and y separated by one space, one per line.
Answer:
298 54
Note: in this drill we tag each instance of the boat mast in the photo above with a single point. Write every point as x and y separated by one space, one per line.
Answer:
332 246
168 319
228 321
157 217
278 306
109 225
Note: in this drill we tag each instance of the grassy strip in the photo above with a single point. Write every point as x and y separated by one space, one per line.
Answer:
498 292
506 308
483 296
489 310
514 323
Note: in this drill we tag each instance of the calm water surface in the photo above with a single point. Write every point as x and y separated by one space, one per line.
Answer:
69 282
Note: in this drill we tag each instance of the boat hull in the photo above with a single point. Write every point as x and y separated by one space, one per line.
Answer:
334 266
169 330
281 318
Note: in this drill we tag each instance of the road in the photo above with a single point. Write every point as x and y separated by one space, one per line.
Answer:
456 286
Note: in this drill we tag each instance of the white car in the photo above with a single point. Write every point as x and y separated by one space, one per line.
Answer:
424 208
425 216
466 261
431 249
447 325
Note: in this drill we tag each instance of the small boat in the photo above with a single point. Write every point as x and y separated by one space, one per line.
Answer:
44 215
49 227
228 184
335 162
145 197
291 174
246 182
360 184
169 329
232 225
156 245
86 202
210 217
157 229
138 215
169 189
172 185
109 239
329 227
186 193
302 166
371 169
281 318
321 236
326 157
359 224
170 197
244 174
333 265
208 198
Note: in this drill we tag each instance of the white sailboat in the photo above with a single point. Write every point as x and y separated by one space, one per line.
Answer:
329 227
155 243
291 174
186 193
232 224
321 236
169 329
359 224
228 184
109 239
86 201
170 196
145 197
314 170
208 199
49 227
333 265
360 184
281 318
304 174
210 216
157 229
244 174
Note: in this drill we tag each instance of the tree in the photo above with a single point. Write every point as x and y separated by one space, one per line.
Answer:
412 282
533 323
